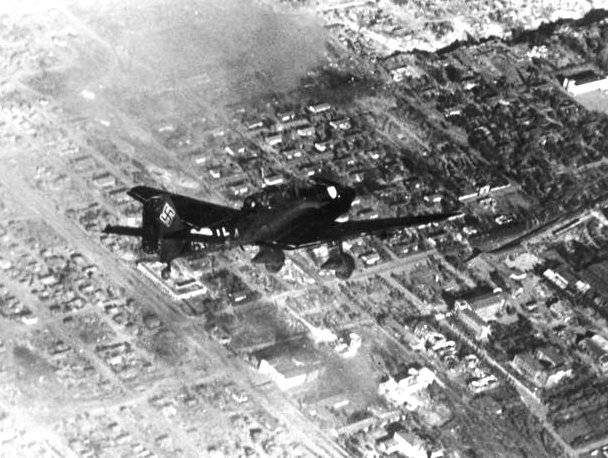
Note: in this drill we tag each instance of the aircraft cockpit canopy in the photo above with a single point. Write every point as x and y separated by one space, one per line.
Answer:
277 196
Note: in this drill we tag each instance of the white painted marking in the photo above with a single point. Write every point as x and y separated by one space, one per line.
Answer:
204 231
167 215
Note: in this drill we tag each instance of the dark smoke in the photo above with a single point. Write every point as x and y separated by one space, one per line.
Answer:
226 48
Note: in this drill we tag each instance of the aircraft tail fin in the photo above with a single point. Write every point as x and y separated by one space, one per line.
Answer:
161 227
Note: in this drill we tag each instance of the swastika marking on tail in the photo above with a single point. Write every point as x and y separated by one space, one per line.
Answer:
167 215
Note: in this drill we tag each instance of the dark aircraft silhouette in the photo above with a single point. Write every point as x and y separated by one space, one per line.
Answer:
277 218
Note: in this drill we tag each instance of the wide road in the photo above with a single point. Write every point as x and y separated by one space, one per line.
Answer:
527 396
319 441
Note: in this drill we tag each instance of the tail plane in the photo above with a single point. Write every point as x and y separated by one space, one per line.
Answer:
161 225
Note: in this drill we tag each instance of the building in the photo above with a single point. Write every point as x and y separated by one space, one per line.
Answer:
239 188
370 257
474 324
595 276
487 382
319 108
403 389
545 368
584 82
84 163
334 403
306 131
398 74
293 155
341 124
597 347
468 196
289 369
274 140
104 180
188 288
119 195
286 116
185 288
531 368
484 305
255 124
321 147
556 278
48 280
200 159
556 375
272 180
233 150
500 188
435 198
221 335
550 355
404 443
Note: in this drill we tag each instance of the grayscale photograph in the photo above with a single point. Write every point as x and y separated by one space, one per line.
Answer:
304 228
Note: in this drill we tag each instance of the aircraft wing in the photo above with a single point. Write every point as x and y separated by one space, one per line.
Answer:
350 229
193 212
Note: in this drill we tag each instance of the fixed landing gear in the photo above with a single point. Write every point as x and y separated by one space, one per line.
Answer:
346 268
343 264
272 258
166 272
274 267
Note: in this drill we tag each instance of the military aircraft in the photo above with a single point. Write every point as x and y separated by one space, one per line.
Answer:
276 219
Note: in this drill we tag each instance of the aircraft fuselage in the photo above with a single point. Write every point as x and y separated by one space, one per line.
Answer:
284 226
275 219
